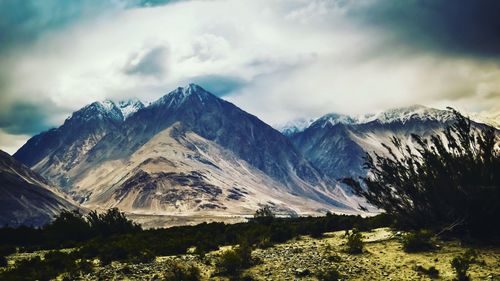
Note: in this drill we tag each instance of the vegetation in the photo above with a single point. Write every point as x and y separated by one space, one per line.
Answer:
354 242
449 182
462 263
182 272
418 241
432 272
111 237
233 261
330 274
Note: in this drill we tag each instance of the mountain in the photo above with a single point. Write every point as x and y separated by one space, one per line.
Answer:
295 126
26 198
336 143
62 148
188 152
129 107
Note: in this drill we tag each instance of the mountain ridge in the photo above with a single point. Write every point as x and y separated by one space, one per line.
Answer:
190 120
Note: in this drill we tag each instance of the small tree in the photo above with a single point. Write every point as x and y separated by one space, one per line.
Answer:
110 223
354 242
232 262
448 180
418 241
264 215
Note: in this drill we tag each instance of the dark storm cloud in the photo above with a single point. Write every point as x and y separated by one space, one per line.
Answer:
151 63
465 27
23 117
25 20
219 85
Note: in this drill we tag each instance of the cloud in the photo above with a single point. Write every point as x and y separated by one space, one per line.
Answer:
149 63
445 26
276 59
218 84
26 118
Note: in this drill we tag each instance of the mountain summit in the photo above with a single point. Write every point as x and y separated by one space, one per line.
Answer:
189 152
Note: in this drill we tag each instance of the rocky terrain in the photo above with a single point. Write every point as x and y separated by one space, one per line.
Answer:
300 259
26 198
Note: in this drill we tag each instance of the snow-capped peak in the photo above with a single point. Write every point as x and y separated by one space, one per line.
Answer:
404 114
291 127
179 95
130 106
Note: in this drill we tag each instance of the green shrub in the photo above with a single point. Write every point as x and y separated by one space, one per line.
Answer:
179 272
462 263
330 274
145 256
204 246
432 272
264 215
418 241
354 242
232 262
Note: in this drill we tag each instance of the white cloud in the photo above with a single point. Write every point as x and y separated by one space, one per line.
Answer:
297 59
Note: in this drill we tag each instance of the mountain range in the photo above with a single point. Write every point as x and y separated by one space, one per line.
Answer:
192 153
26 198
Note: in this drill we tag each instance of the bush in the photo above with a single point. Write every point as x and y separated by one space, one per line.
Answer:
232 262
264 215
417 241
462 263
446 181
330 274
354 242
432 272
181 272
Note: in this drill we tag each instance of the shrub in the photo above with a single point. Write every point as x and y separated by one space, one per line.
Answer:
204 246
329 274
264 215
354 242
418 241
232 262
432 272
448 180
144 256
462 263
110 223
178 272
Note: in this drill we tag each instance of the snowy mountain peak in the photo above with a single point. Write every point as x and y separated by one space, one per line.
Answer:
181 94
106 109
291 127
415 112
130 106
401 115
335 118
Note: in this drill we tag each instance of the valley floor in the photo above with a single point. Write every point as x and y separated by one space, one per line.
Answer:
299 259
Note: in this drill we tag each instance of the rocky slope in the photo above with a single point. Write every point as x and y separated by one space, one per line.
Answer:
336 143
189 152
26 198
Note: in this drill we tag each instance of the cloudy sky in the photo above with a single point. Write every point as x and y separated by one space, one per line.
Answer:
277 59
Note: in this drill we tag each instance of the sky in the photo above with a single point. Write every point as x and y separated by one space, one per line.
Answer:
277 59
